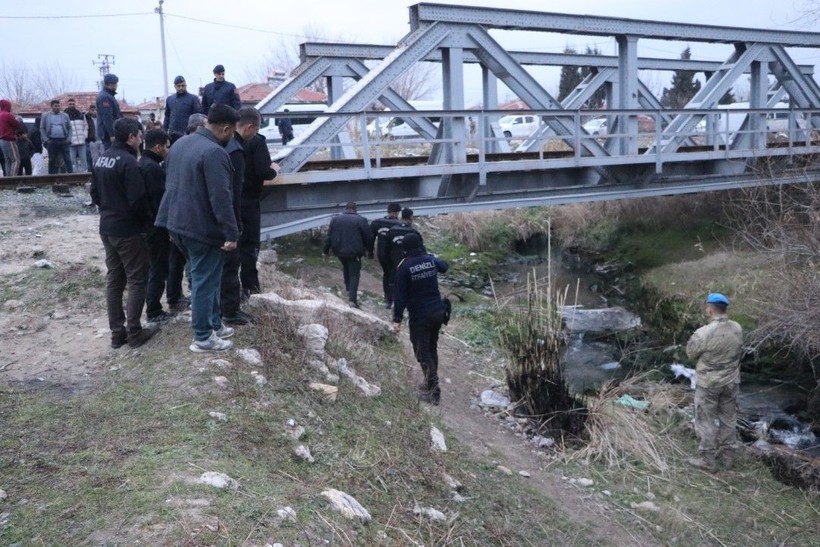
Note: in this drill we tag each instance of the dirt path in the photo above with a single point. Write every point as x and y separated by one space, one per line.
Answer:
68 346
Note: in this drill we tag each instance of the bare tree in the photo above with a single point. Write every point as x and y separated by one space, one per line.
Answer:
54 79
26 86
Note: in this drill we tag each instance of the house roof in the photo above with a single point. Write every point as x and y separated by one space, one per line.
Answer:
255 92
84 99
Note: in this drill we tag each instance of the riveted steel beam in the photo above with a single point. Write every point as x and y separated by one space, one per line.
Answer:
425 14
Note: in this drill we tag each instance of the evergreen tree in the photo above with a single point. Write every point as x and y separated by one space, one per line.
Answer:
598 98
729 98
570 77
684 86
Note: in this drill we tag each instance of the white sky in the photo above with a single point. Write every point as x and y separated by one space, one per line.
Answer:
40 32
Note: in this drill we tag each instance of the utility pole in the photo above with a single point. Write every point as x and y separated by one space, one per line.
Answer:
158 10
105 66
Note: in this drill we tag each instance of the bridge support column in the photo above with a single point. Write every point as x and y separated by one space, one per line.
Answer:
335 89
453 83
758 98
490 101
628 92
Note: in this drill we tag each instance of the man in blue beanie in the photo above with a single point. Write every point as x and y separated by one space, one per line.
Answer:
416 289
717 348
108 110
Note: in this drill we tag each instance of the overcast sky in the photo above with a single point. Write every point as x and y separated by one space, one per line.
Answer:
240 33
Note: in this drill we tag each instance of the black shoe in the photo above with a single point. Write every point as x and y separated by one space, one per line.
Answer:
161 318
241 318
118 339
354 305
431 397
138 338
388 305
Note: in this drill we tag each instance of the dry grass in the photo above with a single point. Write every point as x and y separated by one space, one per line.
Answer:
622 437
485 230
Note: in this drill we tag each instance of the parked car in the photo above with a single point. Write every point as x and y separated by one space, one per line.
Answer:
596 126
519 125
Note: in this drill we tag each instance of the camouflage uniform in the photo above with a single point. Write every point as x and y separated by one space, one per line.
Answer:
717 348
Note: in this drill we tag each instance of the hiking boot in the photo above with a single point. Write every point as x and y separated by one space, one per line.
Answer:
225 332
119 339
138 338
727 459
431 397
161 318
354 304
213 343
183 304
706 464
241 318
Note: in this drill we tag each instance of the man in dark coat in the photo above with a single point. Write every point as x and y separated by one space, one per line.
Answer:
231 290
258 169
380 227
395 251
197 210
179 107
285 129
118 189
159 244
220 91
349 238
417 290
108 110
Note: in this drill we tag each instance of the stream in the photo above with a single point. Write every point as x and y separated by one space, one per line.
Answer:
589 362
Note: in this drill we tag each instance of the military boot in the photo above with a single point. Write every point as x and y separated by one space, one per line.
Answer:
705 462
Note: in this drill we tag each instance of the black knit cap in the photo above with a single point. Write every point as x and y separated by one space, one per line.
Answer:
411 242
393 207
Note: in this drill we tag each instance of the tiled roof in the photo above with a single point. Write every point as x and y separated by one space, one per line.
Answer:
255 92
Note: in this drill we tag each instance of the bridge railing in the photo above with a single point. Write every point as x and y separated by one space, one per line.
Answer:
382 144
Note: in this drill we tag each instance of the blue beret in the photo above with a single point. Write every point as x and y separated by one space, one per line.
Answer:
717 298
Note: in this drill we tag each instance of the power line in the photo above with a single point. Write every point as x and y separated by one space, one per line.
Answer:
234 26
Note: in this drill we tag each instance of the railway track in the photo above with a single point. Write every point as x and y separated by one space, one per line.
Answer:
39 181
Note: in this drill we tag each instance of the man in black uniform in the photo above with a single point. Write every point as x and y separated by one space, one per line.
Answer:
159 243
350 239
118 189
380 227
417 290
395 251
230 289
258 169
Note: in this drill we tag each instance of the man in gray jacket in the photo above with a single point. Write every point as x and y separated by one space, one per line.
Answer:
197 210
55 129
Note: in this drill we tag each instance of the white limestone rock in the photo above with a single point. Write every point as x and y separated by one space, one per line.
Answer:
504 470
218 416
330 392
218 480
286 513
437 442
221 381
303 453
645 506
315 337
430 513
490 398
368 389
250 356
347 505
452 483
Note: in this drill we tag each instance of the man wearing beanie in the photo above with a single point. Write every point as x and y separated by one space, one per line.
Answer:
380 227
108 110
717 348
416 289
179 107
220 91
395 237
350 239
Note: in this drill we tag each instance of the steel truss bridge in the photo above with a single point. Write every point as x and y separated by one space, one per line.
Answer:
460 160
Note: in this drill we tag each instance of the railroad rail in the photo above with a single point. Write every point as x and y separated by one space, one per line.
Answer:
39 181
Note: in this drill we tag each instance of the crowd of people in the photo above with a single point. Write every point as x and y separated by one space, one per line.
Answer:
176 205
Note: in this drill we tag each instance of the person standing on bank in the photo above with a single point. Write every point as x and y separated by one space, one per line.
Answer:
417 290
349 238
285 129
197 210
108 110
220 91
258 169
159 244
79 136
118 189
380 227
179 107
395 237
717 347
231 289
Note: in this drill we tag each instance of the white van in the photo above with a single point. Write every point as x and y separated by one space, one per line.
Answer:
395 127
519 125
729 121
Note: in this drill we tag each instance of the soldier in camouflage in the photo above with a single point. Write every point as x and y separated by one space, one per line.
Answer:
717 349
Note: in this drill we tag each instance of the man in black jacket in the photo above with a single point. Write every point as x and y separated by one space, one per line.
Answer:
395 236
159 243
108 110
230 290
220 91
258 169
179 107
118 189
350 239
417 290
380 227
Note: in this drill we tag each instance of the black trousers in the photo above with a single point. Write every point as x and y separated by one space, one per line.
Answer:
387 286
424 333
351 270
249 245
176 270
159 248
126 259
230 290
